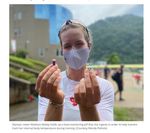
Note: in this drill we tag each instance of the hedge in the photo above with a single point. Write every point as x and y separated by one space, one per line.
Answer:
23 75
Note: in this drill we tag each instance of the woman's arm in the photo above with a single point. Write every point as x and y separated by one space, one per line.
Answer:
89 113
48 86
54 112
87 95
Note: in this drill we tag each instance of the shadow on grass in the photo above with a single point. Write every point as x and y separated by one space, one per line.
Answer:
128 114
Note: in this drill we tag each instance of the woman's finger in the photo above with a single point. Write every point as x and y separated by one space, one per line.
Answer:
95 87
43 82
57 81
51 84
88 83
49 73
82 92
89 91
42 90
40 76
77 94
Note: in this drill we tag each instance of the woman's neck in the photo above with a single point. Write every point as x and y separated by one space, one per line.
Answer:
76 75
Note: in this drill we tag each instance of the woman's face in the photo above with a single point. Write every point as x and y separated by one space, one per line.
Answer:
73 38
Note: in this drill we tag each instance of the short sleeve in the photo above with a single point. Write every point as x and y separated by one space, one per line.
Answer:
106 105
42 107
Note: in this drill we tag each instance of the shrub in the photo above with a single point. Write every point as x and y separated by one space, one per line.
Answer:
21 53
23 75
21 61
31 63
40 64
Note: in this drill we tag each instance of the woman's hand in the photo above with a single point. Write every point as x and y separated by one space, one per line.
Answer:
87 93
48 84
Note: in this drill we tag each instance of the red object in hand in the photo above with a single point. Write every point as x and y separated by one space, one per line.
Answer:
73 101
54 62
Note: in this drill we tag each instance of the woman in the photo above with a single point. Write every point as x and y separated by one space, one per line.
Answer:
75 94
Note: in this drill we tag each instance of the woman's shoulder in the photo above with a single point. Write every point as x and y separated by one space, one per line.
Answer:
105 85
103 81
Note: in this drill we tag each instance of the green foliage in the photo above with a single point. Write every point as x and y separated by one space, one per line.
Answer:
122 35
21 61
23 75
21 53
38 63
30 63
113 59
34 64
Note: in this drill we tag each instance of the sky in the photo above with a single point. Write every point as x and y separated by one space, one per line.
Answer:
88 14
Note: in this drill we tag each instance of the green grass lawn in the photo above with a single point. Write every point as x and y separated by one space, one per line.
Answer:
128 114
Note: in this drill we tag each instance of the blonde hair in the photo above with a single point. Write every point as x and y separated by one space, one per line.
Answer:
76 24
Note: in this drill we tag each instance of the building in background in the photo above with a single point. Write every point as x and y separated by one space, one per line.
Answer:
34 28
56 15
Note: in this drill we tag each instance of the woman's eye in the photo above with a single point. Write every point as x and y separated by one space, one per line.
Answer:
67 47
79 44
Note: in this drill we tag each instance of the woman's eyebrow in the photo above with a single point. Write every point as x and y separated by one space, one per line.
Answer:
79 41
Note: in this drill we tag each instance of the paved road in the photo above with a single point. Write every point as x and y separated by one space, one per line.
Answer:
24 111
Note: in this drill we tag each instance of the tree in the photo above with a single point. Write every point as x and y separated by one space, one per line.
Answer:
114 58
121 34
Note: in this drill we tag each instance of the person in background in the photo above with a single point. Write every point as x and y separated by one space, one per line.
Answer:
77 93
118 78
106 72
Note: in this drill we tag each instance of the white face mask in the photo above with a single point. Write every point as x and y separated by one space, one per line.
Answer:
76 58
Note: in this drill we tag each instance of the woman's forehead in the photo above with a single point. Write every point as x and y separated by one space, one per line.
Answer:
72 34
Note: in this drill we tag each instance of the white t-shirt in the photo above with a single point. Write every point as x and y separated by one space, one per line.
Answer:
71 109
